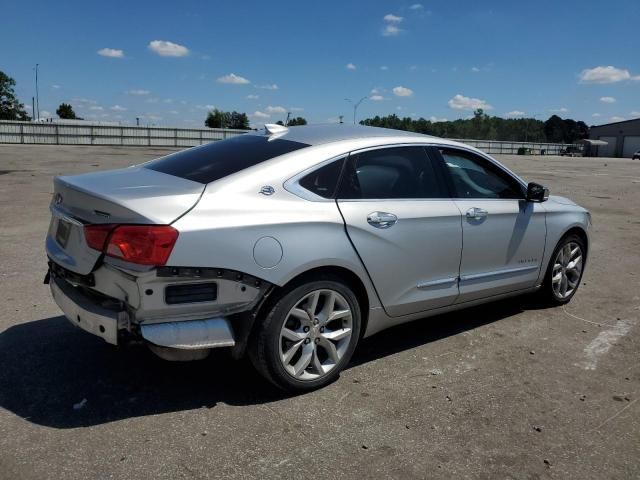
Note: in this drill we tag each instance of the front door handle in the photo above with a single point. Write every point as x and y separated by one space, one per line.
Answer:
476 212
381 219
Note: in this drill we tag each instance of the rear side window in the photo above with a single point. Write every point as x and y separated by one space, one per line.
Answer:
324 180
216 160
398 172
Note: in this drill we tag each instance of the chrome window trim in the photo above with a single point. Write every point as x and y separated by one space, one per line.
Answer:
292 185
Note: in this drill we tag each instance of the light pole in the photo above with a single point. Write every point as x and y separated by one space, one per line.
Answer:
356 105
37 96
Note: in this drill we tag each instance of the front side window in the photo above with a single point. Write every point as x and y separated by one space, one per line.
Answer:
397 172
475 177
218 159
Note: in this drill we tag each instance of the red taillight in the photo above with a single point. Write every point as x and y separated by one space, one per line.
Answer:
96 235
141 244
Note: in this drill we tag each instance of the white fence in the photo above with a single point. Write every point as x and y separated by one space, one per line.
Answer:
61 134
88 134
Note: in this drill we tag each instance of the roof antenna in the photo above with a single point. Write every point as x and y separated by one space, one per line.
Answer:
275 129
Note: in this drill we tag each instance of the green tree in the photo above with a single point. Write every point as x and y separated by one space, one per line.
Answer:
297 121
66 111
10 107
220 119
238 120
216 119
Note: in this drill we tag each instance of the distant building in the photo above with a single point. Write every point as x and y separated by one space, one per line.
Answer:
623 138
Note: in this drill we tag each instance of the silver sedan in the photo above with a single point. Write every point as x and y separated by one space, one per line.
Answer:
292 244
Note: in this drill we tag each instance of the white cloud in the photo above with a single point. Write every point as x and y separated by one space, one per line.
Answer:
433 119
595 115
118 108
390 31
111 52
56 87
475 69
608 74
515 113
154 118
173 112
391 18
168 100
374 91
635 114
398 108
137 92
616 118
45 113
165 48
259 114
205 107
559 110
402 91
376 98
607 100
96 108
233 79
272 86
276 109
350 66
416 6
296 109
83 100
460 102
252 97
384 68
151 100
413 68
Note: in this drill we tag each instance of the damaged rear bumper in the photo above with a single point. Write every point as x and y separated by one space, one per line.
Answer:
189 326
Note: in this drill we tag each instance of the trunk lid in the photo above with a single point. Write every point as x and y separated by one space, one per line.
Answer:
130 195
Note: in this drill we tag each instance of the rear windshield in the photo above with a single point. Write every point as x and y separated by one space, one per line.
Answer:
216 160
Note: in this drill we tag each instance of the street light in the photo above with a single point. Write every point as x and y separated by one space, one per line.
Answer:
356 105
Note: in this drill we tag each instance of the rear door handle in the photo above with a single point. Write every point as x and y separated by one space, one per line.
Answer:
381 219
476 212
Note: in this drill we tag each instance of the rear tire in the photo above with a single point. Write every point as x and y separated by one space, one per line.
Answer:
307 335
565 270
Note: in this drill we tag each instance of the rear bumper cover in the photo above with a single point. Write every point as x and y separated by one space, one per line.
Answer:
103 322
83 313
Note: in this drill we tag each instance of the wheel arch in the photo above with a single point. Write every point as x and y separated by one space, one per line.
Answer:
326 272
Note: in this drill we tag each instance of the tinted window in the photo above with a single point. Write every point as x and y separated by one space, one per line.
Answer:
324 180
216 160
475 177
400 172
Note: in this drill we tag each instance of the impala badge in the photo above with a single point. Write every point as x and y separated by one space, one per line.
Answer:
267 190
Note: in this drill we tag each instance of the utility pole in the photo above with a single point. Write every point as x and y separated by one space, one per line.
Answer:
356 105
33 107
37 95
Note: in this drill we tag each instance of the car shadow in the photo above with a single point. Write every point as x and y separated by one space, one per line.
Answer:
55 375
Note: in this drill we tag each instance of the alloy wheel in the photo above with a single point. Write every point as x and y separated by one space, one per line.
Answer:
567 270
315 334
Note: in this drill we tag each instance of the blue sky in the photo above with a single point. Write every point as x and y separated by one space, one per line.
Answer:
167 62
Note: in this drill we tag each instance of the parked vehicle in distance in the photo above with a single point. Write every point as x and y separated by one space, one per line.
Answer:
636 155
292 244
570 151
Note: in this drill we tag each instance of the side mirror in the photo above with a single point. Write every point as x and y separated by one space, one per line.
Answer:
537 193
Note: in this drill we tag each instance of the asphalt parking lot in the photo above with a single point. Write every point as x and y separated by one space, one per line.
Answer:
508 390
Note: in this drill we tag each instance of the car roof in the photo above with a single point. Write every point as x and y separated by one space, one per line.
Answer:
336 132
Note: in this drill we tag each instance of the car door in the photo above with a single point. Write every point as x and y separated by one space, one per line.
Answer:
404 226
503 235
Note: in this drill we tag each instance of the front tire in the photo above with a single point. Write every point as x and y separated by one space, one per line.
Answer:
307 336
565 270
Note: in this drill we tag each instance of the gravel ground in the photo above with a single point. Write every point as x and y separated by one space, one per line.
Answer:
507 390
